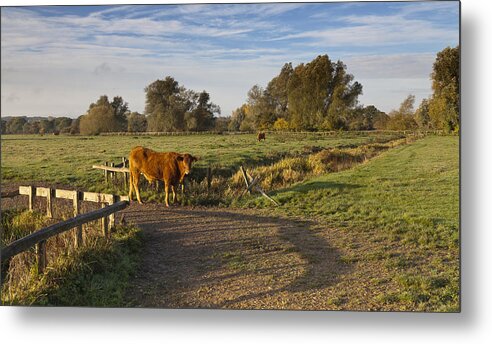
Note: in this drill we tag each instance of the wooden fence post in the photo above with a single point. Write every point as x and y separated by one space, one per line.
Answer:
104 223
49 203
113 174
106 172
111 216
125 176
41 256
78 230
31 194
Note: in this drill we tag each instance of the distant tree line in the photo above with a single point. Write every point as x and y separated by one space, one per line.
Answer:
319 95
169 107
27 125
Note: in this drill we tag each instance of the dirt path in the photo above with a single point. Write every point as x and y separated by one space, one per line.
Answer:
222 258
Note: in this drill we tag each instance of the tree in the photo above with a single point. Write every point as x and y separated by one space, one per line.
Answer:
321 95
260 107
379 118
3 126
422 117
281 124
171 107
103 116
222 124
136 122
403 118
277 90
201 116
75 127
15 125
444 103
237 118
63 124
166 105
26 128
120 108
248 123
47 126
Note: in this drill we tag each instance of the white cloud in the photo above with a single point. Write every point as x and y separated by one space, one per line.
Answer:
391 66
376 31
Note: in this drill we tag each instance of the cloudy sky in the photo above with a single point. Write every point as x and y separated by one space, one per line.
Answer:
56 60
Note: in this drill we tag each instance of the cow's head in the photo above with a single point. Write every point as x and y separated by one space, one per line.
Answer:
186 160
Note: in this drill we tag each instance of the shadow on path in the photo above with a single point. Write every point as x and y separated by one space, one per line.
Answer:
214 258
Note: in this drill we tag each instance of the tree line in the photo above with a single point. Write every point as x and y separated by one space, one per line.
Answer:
322 95
319 95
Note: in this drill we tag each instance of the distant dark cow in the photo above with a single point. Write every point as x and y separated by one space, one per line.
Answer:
169 167
261 136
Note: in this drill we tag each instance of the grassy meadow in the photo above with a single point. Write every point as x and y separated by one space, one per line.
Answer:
396 218
68 160
390 208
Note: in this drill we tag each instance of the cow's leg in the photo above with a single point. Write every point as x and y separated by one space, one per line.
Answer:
136 179
166 190
174 193
131 187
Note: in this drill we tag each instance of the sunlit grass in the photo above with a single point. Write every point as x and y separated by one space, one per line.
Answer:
405 202
68 160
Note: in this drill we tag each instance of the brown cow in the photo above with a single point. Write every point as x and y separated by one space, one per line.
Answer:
169 167
261 136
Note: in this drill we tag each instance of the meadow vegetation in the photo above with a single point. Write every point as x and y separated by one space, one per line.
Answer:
68 160
389 203
396 218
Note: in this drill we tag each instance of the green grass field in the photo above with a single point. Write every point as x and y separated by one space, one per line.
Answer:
396 217
68 160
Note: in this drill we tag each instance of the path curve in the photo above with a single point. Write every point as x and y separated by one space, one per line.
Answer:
196 257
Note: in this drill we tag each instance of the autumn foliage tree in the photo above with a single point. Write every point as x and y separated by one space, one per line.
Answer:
318 95
104 116
171 107
444 104
403 118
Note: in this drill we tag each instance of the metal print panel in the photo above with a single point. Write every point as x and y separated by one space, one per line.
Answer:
281 156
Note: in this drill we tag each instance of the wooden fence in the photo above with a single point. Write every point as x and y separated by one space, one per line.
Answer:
110 205
111 170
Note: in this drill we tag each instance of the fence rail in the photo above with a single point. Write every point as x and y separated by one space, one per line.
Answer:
110 205
9 194
23 244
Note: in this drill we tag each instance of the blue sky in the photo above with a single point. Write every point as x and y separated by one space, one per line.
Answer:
56 60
